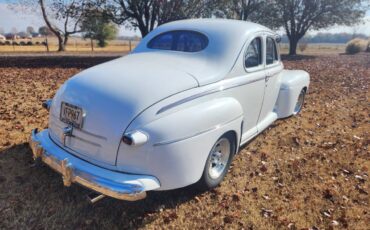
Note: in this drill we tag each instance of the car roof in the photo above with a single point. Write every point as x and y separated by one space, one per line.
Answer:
226 41
221 31
236 27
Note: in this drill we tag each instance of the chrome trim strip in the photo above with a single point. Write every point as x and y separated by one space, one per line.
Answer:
91 134
196 134
208 92
86 141
187 99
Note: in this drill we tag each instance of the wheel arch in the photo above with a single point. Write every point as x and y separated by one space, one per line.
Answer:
292 83
234 135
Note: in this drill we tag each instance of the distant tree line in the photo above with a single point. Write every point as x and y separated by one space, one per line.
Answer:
296 17
328 38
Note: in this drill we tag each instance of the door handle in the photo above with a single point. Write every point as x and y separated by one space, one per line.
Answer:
267 78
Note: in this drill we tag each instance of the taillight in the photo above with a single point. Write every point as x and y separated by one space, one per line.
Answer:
135 138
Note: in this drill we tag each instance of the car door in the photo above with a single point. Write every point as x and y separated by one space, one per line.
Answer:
273 66
251 89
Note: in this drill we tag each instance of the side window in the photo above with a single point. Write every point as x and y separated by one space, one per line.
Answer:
271 52
253 55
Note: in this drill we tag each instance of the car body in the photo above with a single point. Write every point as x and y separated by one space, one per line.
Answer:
162 117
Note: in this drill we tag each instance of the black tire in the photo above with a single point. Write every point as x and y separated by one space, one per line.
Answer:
300 102
209 181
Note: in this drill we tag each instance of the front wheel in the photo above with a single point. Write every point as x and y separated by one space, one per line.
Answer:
218 162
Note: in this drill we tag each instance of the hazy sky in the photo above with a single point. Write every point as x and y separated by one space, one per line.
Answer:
9 19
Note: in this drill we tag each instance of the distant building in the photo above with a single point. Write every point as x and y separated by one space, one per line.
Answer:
2 38
11 36
36 35
24 35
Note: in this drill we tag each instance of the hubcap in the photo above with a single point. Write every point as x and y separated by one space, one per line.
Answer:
220 154
300 102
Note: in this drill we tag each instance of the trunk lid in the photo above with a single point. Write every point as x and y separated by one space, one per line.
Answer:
111 95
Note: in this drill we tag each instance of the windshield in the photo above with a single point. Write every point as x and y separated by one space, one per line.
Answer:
179 40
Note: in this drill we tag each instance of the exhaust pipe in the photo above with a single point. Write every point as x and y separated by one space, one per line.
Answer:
94 197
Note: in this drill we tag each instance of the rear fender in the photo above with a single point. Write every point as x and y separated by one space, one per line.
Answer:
179 142
194 120
292 82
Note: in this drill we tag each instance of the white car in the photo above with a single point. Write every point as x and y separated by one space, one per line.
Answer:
173 112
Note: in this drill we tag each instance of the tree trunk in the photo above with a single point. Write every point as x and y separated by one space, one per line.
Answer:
47 43
143 29
293 43
92 45
66 37
61 46
53 30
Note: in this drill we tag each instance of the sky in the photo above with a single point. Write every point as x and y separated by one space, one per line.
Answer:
20 20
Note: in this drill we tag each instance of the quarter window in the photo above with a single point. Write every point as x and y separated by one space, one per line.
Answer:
180 40
253 55
271 52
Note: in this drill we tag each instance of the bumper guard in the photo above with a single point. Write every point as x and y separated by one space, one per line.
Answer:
72 174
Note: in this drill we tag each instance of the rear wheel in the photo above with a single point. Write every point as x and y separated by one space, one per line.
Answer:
218 162
300 102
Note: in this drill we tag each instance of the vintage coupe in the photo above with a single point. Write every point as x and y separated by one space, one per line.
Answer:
172 113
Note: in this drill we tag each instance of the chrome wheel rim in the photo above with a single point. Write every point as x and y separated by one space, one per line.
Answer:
220 154
300 102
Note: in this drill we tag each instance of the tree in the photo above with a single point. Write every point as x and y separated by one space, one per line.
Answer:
62 17
147 14
96 26
45 31
108 31
252 10
30 30
299 16
70 12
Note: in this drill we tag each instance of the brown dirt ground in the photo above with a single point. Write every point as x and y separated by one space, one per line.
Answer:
309 171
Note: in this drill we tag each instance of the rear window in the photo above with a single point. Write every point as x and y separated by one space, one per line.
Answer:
180 40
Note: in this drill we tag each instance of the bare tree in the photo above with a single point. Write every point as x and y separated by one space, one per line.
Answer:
177 10
295 16
298 16
69 13
147 14
61 16
241 9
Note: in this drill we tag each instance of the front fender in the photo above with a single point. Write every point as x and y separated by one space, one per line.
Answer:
179 142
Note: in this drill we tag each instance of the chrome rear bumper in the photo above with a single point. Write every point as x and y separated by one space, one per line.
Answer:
74 170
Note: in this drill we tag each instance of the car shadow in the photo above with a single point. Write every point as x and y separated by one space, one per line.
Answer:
286 57
56 61
37 192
